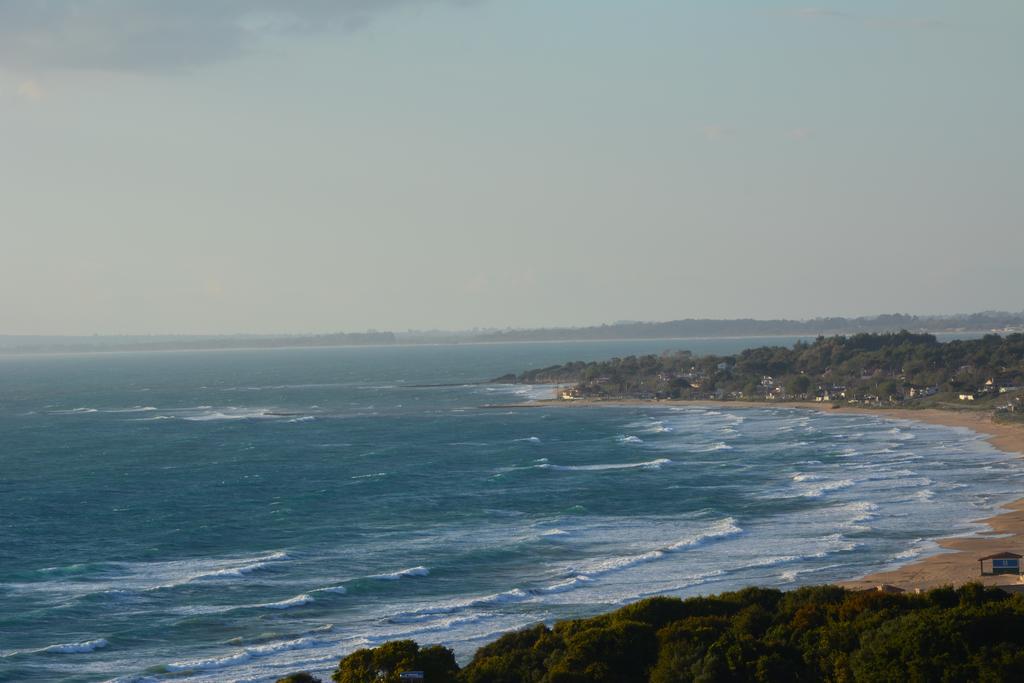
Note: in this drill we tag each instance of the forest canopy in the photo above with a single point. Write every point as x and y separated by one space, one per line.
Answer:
820 633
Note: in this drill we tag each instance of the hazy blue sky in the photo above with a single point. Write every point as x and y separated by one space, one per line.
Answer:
252 165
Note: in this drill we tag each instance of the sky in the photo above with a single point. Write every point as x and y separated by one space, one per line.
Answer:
264 166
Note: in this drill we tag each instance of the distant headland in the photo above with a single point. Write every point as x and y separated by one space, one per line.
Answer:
972 323
902 369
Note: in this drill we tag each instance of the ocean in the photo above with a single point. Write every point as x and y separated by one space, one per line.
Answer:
238 515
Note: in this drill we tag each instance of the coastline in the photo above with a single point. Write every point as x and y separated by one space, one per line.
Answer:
957 561
959 564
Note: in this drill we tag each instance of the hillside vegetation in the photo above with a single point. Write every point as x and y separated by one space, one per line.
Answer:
822 633
864 368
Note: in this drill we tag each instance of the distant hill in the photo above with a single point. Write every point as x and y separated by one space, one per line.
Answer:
98 343
989 321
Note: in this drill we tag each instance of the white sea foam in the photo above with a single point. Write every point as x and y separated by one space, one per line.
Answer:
305 643
615 564
717 446
236 570
340 590
430 612
554 532
208 664
819 490
75 648
120 579
837 544
581 575
435 624
411 572
721 529
772 561
651 426
900 434
861 511
232 414
629 438
791 575
688 582
568 584
650 464
297 601
304 418
63 648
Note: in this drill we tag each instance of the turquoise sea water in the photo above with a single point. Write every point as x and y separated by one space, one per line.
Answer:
239 515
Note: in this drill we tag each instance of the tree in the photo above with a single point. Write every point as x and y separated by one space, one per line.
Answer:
384 664
798 385
301 677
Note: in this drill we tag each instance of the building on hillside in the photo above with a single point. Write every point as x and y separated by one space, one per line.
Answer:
967 396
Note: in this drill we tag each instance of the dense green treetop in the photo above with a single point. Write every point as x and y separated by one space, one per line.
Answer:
822 633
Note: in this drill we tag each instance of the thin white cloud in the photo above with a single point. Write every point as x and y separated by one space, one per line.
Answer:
142 35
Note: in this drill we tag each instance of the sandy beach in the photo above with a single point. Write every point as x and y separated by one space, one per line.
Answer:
958 563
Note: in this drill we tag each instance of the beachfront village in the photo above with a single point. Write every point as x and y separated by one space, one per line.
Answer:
883 370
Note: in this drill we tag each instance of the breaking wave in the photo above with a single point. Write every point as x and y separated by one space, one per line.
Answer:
64 648
650 464
297 601
411 572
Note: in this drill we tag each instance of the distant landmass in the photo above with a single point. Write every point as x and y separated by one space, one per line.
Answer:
99 343
888 369
989 321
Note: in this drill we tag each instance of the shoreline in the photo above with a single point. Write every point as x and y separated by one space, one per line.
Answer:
956 562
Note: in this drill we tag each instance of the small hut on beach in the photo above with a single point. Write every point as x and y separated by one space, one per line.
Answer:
1000 563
